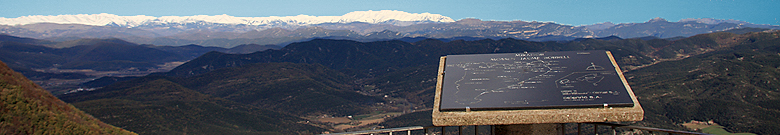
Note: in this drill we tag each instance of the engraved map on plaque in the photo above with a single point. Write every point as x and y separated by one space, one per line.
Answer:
532 80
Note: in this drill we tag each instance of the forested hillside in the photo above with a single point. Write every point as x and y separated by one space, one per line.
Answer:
736 87
254 99
25 108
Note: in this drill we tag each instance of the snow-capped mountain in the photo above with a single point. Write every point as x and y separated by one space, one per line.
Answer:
105 19
713 21
229 31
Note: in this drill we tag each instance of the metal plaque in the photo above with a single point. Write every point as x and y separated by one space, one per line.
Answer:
570 79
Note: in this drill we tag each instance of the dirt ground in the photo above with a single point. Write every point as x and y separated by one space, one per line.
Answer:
335 120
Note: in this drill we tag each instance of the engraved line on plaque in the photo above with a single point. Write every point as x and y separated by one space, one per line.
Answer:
523 73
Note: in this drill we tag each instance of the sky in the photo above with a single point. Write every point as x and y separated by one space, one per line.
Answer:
570 12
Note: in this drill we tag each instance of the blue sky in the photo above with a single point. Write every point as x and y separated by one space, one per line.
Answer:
572 12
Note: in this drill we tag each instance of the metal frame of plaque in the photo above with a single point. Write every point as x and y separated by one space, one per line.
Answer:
530 88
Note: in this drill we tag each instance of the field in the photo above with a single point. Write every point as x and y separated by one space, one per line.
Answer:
710 128
718 130
358 122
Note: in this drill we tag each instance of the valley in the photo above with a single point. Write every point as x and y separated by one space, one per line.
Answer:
60 86
354 123
63 66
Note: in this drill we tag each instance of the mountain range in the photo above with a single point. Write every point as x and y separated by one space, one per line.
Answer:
228 31
182 22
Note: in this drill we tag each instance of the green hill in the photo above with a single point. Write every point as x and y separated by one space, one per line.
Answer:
25 108
164 107
736 87
227 100
366 59
301 89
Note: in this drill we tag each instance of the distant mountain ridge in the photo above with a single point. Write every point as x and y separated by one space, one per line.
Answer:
229 31
105 19
662 28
